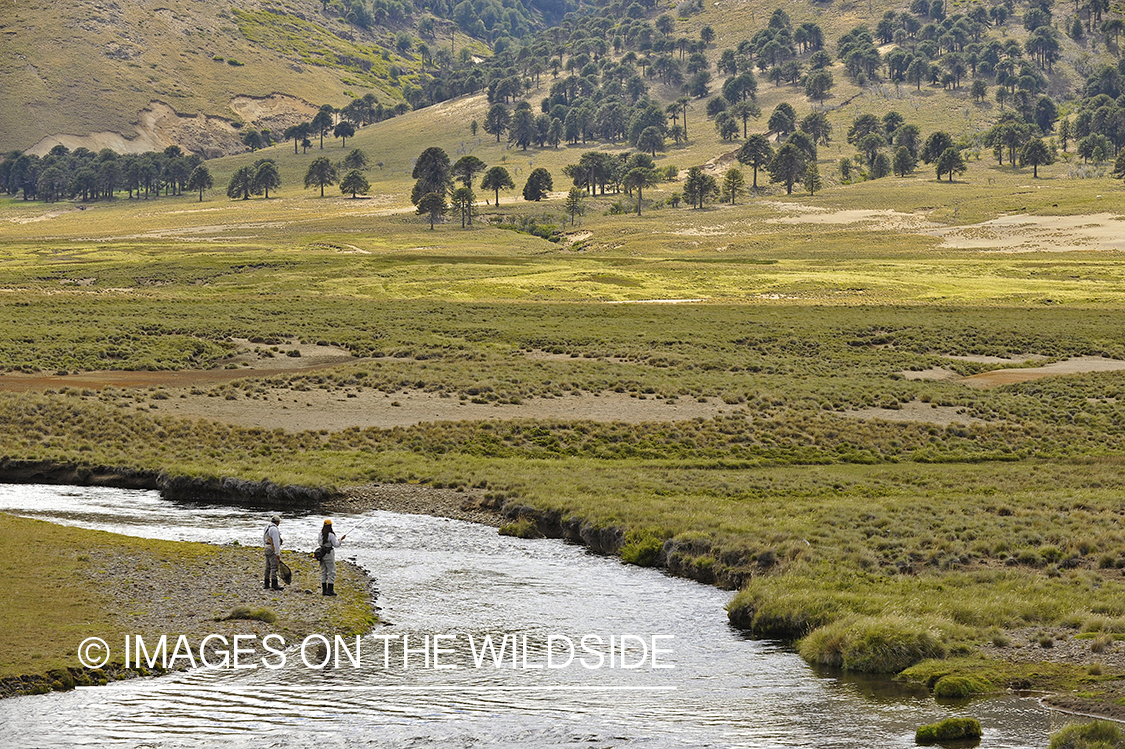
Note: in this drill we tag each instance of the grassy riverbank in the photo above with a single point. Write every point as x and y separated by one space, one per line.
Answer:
825 430
66 584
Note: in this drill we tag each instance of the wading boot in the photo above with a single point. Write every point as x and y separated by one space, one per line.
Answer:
276 586
266 582
324 589
331 589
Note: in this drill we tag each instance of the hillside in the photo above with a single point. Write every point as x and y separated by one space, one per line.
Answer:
84 67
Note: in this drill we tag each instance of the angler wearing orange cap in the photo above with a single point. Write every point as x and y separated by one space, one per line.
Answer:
328 544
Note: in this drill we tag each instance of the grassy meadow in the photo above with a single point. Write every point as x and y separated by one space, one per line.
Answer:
858 535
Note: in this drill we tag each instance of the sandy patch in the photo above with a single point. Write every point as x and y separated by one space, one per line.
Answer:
886 218
1100 232
1079 365
933 373
257 356
917 411
981 359
657 301
275 408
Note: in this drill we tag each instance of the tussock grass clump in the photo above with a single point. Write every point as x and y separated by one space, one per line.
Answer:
261 614
960 687
521 528
950 729
879 645
1100 734
642 548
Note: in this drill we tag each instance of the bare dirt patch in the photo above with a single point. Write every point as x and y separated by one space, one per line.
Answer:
1079 365
933 373
334 411
1099 232
917 411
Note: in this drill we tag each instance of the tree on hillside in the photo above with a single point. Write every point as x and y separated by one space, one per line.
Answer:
949 162
497 179
651 140
432 173
355 183
539 184
744 110
812 178
357 159
432 205
201 180
322 122
321 172
936 144
818 84
241 183
462 201
1036 153
573 205
788 166
343 131
638 179
466 169
734 184
756 153
496 121
265 177
699 187
904 161
783 120
817 126
522 130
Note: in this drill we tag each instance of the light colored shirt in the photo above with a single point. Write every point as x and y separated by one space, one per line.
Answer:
272 539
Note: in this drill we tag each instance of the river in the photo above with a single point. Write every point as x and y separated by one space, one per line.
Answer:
463 582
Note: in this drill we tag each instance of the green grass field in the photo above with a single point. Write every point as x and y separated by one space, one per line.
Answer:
859 530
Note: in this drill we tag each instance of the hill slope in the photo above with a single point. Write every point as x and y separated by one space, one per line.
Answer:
87 66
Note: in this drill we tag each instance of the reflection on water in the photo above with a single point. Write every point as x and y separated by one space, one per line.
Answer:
444 577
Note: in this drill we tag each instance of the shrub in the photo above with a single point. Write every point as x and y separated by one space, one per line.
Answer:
1100 733
879 645
245 612
950 729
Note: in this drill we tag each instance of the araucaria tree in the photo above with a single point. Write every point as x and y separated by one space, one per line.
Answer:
241 183
573 205
788 166
734 184
756 153
201 180
432 205
432 172
638 178
463 203
539 184
1037 154
466 168
497 179
355 183
698 187
949 162
265 177
321 172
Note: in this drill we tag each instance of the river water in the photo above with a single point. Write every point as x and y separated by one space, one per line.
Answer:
463 582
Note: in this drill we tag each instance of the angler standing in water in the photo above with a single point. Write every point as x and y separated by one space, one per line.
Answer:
327 550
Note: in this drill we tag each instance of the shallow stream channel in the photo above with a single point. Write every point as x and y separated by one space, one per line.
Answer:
460 583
